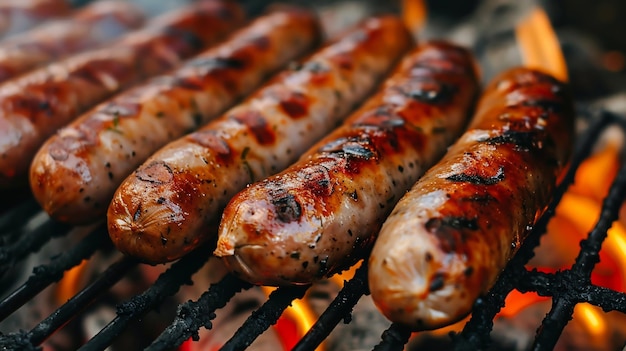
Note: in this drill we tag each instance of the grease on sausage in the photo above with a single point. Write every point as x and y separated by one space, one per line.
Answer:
173 202
76 172
322 214
449 237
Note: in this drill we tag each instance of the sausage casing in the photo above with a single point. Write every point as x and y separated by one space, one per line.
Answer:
321 214
174 200
76 172
88 28
33 106
19 15
449 237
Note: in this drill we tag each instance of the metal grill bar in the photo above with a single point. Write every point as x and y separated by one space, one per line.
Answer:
264 317
339 309
81 300
167 284
45 275
196 314
69 310
394 338
18 215
30 242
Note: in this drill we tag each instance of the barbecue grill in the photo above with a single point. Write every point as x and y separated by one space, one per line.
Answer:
566 288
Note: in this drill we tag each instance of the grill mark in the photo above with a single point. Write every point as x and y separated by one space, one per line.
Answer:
211 63
430 92
156 173
287 208
477 179
218 146
257 124
449 231
295 104
188 37
523 140
550 105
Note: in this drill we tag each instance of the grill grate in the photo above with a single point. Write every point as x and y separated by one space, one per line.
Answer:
567 287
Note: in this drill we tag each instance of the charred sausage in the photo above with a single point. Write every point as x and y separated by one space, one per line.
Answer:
19 15
76 172
173 202
449 237
35 105
88 28
321 214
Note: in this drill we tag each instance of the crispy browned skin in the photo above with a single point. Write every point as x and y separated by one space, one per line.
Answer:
88 28
76 172
33 106
448 239
19 15
322 214
173 202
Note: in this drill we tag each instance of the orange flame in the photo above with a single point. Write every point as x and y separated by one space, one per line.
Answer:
298 316
539 44
414 13
70 284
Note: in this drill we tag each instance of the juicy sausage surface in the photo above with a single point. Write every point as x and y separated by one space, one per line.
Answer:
321 214
88 28
35 105
449 237
19 15
76 172
173 202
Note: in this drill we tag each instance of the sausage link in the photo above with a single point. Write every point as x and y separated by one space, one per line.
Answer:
19 15
88 28
449 237
173 202
321 214
76 172
35 105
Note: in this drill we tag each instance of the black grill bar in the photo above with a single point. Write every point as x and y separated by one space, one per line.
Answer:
264 317
69 310
82 299
30 242
45 275
475 334
394 338
167 284
580 274
338 309
18 215
193 315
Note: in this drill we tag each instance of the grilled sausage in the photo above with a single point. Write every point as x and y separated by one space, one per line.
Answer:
173 202
35 105
19 15
449 237
89 28
321 214
76 172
